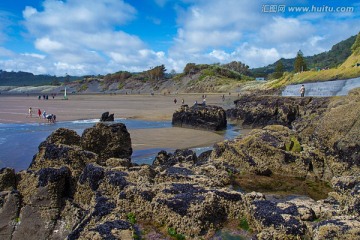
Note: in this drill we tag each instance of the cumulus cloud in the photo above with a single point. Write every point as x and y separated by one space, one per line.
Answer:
95 37
223 31
78 34
6 52
213 23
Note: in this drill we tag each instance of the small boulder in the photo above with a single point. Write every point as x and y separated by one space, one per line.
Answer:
64 136
108 141
107 117
179 156
7 179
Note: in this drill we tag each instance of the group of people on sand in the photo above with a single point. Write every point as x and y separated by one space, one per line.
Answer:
51 118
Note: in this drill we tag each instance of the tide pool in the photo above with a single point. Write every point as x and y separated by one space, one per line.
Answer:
19 142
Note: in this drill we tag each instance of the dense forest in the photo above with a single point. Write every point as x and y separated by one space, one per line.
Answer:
336 56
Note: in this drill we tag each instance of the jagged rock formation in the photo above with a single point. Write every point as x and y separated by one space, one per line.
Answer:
259 111
85 187
107 117
107 141
190 197
320 137
201 117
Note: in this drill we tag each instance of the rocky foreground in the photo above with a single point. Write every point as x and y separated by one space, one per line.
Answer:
85 187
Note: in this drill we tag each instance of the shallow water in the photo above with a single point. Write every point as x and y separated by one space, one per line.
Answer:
19 142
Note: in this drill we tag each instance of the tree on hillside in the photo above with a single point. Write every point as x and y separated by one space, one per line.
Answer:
116 77
172 72
55 82
279 70
190 68
356 46
300 64
156 73
237 67
67 79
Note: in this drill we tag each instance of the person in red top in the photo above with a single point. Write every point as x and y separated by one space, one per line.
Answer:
39 113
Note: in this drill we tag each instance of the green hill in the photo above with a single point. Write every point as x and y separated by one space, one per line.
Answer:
28 79
348 69
330 59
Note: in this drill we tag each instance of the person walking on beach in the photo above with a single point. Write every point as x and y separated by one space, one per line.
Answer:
39 112
302 90
30 112
182 101
175 101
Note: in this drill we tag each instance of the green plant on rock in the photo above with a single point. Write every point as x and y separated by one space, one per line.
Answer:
83 87
136 236
121 85
244 224
131 218
172 232
294 145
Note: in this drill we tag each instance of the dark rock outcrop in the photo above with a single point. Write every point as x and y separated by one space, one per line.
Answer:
179 156
7 179
258 111
108 141
107 117
56 156
200 117
324 135
64 136
347 193
275 150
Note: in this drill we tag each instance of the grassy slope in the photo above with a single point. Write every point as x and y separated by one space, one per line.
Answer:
346 70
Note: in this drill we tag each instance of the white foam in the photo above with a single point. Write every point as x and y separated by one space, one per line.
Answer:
92 120
85 121
2 140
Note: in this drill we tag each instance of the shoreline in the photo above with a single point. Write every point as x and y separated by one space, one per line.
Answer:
13 110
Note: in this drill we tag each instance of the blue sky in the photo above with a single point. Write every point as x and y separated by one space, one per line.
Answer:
80 37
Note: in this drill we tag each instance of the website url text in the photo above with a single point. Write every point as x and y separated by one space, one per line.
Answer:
273 8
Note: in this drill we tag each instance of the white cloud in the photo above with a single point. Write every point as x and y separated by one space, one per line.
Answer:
72 15
90 37
286 30
78 34
221 31
34 55
29 11
47 45
6 52
256 56
214 23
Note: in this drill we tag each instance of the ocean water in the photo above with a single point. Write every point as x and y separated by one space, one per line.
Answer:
19 142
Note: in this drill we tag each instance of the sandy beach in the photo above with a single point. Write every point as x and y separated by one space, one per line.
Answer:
14 109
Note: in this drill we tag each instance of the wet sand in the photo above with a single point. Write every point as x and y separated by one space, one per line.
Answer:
14 109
